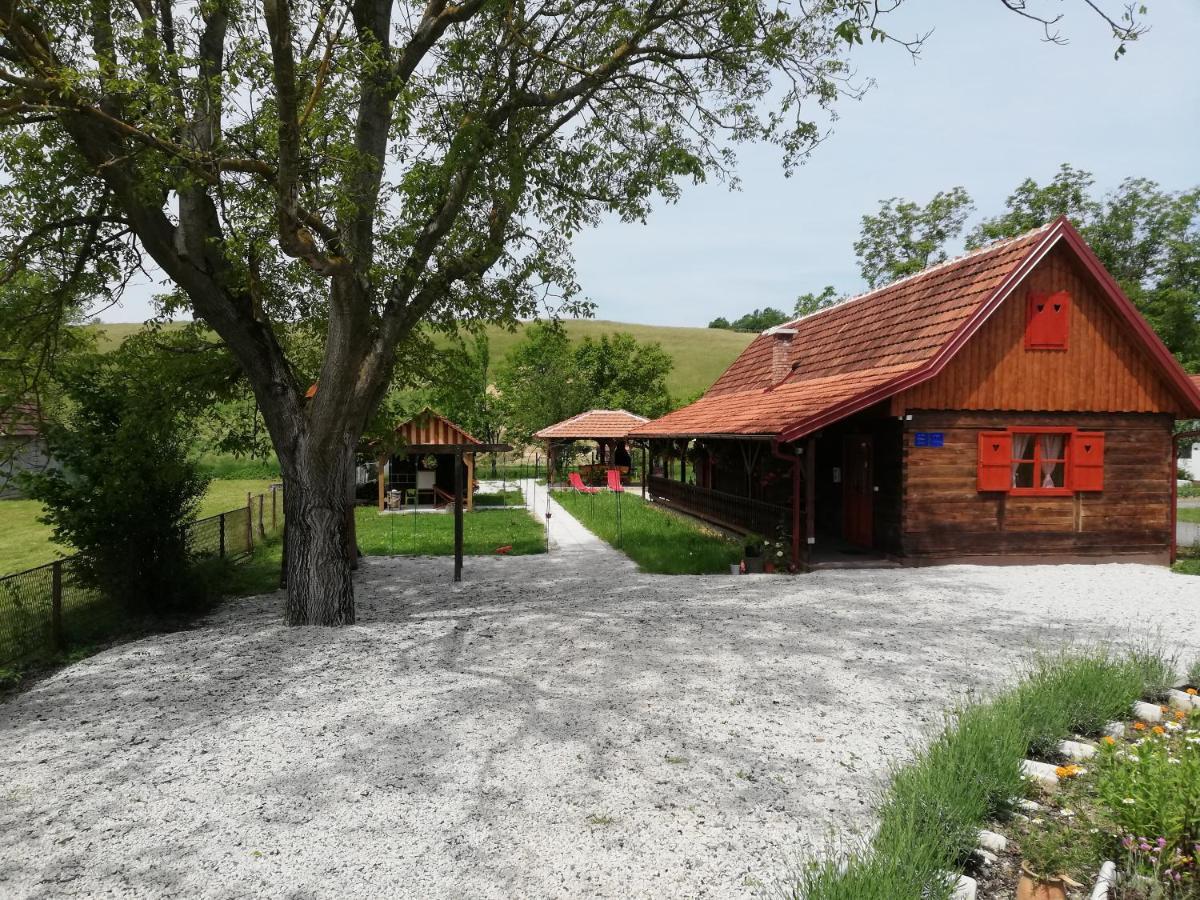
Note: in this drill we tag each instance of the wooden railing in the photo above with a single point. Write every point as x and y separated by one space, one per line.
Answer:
730 510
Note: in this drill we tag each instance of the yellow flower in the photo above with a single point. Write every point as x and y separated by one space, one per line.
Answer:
1180 715
1158 729
1139 726
1109 739
1191 691
1067 771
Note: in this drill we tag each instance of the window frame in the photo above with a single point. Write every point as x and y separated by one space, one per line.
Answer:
1068 433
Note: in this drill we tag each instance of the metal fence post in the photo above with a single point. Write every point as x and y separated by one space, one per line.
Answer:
221 532
56 625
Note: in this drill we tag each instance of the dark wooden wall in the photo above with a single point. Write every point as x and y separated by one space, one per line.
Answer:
1102 370
945 518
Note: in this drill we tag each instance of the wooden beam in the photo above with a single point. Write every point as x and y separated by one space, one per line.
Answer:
382 479
470 482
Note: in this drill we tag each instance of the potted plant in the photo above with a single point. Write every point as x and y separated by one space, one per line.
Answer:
1045 857
753 553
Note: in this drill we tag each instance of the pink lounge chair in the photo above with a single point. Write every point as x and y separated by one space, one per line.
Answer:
577 483
614 481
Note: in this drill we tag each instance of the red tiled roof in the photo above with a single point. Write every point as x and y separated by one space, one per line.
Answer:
866 349
595 423
20 420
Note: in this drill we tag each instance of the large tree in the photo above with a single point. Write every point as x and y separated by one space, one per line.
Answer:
372 165
905 237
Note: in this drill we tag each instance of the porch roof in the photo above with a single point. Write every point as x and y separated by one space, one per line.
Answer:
595 423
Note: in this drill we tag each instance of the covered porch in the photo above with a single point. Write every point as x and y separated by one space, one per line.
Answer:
833 496
608 430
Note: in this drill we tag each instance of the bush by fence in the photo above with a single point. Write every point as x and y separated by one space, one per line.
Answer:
45 611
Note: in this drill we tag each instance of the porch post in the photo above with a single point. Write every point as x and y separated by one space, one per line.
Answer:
645 470
470 481
810 496
382 479
458 514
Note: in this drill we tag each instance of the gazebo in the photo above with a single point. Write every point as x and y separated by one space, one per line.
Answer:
434 458
609 428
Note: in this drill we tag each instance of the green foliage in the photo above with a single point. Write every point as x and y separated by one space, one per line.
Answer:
656 540
545 379
755 321
1161 775
931 814
128 488
1193 673
807 304
462 388
904 238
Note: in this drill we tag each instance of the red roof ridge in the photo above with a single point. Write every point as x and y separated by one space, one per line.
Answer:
998 244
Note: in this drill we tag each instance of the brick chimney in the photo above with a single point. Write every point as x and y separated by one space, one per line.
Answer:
781 354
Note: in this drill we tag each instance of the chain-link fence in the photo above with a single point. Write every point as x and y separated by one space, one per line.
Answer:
45 610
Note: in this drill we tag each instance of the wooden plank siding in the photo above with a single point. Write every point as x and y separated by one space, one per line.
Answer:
1102 369
945 517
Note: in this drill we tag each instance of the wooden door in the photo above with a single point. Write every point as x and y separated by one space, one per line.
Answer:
858 490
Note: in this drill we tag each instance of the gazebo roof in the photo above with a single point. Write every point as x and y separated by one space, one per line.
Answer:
428 429
595 423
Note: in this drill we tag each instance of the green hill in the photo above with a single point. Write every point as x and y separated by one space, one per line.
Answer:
700 354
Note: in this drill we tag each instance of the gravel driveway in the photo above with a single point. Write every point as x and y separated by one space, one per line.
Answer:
555 726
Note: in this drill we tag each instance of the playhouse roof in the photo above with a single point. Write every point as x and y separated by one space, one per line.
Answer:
428 429
850 356
595 423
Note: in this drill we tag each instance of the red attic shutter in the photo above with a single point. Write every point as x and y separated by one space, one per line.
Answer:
1087 461
1047 321
995 461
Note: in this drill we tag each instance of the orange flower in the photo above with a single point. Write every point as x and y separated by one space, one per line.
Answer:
1109 739
1191 691
1180 715
1158 729
1163 708
1067 771
1139 726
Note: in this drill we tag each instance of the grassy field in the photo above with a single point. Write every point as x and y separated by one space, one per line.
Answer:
700 354
379 535
26 543
656 540
1189 514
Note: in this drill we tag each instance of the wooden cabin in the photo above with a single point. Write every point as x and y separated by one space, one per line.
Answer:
1009 405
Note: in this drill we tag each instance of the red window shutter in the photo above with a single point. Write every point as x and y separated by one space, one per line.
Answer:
995 461
1087 461
1047 320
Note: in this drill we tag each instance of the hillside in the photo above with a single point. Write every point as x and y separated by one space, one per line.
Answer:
700 354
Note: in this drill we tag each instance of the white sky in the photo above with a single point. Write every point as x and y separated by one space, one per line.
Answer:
987 105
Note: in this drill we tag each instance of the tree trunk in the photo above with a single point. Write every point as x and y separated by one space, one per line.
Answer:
320 590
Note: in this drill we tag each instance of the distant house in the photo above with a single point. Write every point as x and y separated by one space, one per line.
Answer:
1009 405
1189 452
22 448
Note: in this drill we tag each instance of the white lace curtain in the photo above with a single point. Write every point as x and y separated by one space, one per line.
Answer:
1051 451
1020 444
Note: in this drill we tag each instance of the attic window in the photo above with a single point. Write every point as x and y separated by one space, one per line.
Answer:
1046 321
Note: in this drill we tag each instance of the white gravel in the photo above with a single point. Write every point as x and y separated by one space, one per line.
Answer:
555 726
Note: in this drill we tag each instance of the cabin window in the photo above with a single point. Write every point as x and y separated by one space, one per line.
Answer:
1028 461
1046 322
1039 462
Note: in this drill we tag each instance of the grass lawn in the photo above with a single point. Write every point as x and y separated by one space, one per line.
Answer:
653 538
25 542
392 535
432 534
1189 514
1189 566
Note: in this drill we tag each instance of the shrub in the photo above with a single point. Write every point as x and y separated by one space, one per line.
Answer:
127 489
